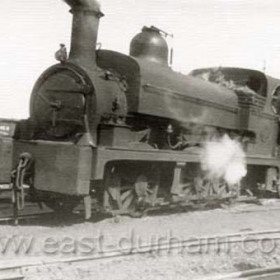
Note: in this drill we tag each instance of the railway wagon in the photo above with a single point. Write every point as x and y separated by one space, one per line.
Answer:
127 132
7 130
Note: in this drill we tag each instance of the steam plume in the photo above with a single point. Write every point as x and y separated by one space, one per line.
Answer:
224 158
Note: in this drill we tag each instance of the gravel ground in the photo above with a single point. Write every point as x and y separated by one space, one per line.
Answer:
86 239
150 266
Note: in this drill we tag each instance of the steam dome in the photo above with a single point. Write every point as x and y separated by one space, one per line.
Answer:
150 45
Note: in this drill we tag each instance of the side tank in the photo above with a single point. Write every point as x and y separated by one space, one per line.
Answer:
156 90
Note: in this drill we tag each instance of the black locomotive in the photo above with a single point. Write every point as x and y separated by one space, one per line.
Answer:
126 131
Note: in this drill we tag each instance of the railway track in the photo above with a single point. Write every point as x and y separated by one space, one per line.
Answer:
17 268
34 212
272 273
24 217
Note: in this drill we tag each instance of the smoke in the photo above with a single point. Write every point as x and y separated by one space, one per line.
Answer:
224 158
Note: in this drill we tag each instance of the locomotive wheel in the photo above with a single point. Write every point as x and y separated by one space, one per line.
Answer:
131 198
115 197
146 193
214 188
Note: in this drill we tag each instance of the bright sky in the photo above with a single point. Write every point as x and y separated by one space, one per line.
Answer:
243 33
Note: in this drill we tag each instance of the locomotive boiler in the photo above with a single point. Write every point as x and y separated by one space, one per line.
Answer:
126 131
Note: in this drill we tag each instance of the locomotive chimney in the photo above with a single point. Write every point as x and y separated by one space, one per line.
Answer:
86 15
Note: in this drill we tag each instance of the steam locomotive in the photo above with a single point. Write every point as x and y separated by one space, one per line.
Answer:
126 131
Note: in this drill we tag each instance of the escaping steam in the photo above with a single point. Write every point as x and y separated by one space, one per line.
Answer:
224 158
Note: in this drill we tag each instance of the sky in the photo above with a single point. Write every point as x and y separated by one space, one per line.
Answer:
241 33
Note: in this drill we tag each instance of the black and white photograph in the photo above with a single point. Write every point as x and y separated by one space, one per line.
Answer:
140 140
